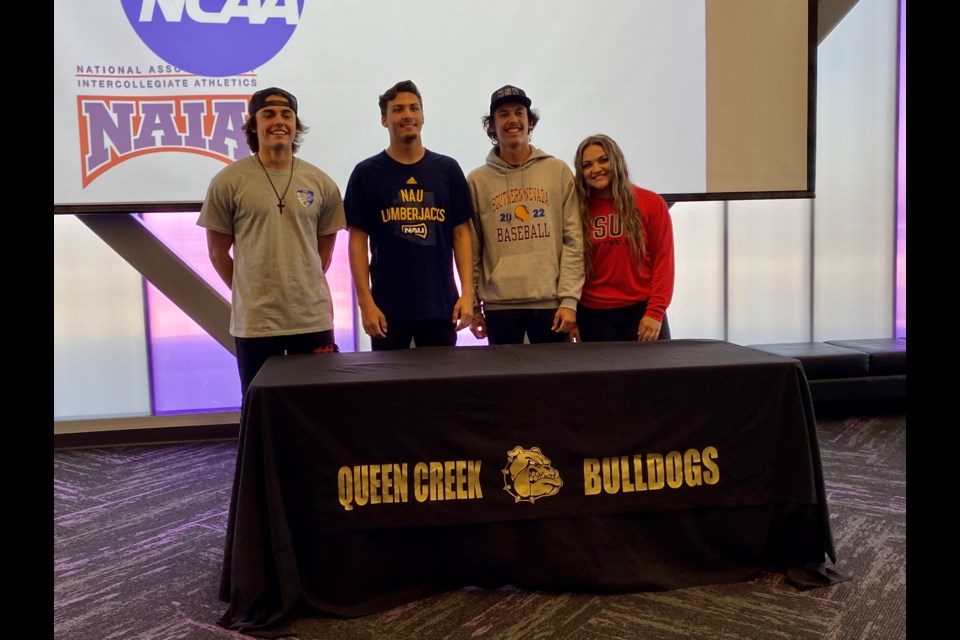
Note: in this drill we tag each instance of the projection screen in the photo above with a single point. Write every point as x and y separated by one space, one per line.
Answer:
709 99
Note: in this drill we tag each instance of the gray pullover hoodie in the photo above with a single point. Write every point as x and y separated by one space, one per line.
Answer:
527 248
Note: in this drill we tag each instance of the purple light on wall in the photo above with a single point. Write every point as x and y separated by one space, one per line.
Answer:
901 276
190 371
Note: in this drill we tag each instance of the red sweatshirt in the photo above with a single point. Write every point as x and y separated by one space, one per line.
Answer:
617 279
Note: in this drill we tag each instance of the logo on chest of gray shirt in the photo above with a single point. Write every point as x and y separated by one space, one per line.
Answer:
306 197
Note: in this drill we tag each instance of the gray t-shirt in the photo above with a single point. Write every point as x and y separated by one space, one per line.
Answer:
279 287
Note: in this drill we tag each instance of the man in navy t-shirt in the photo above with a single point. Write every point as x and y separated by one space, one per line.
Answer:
408 212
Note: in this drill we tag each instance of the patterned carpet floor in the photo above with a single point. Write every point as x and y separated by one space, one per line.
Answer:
139 534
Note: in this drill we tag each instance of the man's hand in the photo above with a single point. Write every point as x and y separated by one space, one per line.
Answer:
374 322
563 320
478 327
463 312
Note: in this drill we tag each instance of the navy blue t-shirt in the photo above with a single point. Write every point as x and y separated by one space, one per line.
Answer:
409 211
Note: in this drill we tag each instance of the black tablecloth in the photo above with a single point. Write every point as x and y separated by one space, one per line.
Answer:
367 480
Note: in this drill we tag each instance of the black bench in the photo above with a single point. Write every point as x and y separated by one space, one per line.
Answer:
851 374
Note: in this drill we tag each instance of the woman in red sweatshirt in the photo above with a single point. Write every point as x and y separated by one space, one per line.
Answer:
628 249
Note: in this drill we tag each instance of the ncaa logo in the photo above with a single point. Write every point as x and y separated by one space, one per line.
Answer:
214 37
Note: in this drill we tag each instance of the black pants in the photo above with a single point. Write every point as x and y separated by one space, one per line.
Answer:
424 333
253 352
614 325
510 326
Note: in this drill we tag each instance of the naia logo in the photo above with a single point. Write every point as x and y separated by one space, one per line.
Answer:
115 129
214 37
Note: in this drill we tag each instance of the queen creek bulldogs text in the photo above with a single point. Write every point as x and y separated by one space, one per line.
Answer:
650 472
365 484
374 484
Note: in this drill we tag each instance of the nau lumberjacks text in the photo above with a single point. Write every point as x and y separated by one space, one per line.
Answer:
527 476
414 212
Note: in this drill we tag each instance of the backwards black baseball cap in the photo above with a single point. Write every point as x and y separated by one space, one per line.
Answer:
259 100
508 93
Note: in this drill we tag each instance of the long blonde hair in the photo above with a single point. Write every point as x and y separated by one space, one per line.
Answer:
623 199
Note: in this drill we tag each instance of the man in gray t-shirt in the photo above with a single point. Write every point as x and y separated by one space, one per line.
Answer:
272 221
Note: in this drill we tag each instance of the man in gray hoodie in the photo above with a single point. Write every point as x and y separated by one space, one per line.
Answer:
527 249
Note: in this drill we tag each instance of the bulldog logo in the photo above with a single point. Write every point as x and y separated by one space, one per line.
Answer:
528 475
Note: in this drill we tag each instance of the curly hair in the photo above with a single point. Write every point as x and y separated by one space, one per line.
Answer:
624 200
489 124
250 130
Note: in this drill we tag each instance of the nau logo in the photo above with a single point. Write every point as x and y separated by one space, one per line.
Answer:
529 475
214 37
419 230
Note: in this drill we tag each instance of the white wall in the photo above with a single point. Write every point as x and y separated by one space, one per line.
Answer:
99 342
821 269
855 208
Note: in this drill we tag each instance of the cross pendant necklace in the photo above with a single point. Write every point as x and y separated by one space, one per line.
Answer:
280 203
